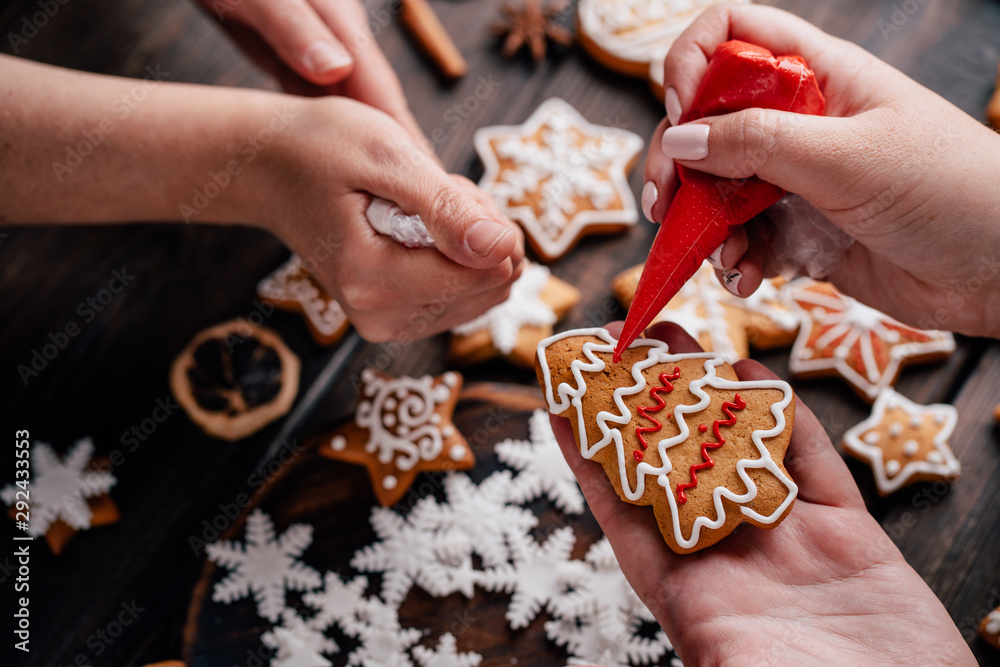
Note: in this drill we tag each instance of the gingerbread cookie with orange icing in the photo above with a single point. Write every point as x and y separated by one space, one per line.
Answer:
679 432
402 427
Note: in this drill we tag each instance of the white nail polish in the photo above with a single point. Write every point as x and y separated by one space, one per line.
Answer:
650 193
731 279
715 259
686 142
673 104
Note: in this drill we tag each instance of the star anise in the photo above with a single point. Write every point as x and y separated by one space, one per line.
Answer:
530 25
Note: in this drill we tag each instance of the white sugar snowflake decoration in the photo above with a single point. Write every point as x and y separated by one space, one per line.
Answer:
542 467
60 488
538 575
383 642
446 654
265 566
523 308
298 643
337 602
602 638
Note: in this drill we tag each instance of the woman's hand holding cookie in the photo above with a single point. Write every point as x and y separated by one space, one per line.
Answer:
826 585
907 174
314 188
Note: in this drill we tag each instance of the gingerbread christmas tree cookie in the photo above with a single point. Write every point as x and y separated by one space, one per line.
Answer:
559 176
840 336
402 427
513 329
294 288
679 432
905 442
65 495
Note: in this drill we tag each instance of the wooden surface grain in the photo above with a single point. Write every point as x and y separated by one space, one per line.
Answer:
187 277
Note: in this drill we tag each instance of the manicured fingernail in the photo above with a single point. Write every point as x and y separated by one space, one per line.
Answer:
715 259
731 279
686 142
483 235
324 56
649 196
674 110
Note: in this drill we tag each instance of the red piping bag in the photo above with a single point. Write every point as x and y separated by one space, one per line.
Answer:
706 208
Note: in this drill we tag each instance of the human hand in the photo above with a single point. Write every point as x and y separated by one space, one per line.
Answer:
314 187
317 47
908 175
826 585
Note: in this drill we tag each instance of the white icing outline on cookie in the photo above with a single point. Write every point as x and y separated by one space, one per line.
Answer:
658 354
949 468
286 283
628 145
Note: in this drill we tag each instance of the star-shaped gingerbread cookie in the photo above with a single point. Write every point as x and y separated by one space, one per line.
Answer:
905 442
402 427
840 336
514 328
560 176
293 287
989 629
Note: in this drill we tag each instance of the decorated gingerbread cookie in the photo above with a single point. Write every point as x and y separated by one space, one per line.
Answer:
559 176
770 321
292 287
989 629
65 495
633 36
840 336
701 308
679 432
905 442
512 329
402 427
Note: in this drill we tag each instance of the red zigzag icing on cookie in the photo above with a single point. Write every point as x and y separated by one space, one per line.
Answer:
736 404
645 410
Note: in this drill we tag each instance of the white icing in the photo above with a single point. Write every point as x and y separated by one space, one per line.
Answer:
292 283
408 433
940 461
698 310
895 429
916 421
523 308
456 453
911 447
993 622
872 437
854 328
564 396
389 482
768 301
570 159
338 443
60 487
448 431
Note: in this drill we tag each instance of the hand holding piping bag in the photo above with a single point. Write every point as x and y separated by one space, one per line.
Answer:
706 208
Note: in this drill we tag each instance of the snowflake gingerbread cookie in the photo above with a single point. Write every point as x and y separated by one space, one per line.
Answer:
293 287
679 432
840 336
905 442
700 308
65 495
633 36
402 427
560 176
513 328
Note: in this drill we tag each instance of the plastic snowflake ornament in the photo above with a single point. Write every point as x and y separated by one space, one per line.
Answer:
298 643
60 488
542 467
265 566
538 575
445 655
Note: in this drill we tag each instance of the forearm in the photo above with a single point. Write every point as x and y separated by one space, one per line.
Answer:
77 147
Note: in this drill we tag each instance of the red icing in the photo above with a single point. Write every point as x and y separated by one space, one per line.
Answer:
736 404
706 208
702 428
645 410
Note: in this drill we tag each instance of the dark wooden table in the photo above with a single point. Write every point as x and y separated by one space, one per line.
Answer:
109 377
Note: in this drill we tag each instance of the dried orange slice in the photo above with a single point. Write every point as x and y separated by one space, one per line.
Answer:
234 379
